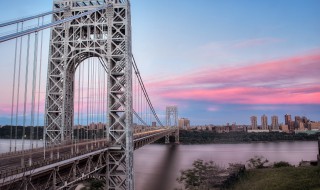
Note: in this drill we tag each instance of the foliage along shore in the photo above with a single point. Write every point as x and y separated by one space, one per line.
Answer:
196 137
211 137
258 175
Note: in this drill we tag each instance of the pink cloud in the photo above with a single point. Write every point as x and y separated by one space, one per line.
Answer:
247 95
292 68
293 80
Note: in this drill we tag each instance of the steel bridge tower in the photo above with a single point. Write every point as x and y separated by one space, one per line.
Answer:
105 34
172 121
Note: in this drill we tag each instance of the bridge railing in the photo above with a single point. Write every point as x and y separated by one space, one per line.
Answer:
37 164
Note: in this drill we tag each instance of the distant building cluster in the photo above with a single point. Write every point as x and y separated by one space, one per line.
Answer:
184 123
264 127
92 126
220 129
299 124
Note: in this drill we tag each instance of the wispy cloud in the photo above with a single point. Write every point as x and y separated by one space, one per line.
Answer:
292 80
213 108
256 42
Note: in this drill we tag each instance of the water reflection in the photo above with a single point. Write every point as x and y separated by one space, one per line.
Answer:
155 169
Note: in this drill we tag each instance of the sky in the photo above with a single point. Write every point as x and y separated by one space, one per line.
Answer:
222 61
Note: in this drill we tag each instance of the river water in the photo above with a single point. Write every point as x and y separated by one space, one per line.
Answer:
156 167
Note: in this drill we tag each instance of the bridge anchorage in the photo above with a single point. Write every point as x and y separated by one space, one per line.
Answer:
96 33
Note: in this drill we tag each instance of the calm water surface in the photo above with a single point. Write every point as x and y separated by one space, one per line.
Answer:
157 166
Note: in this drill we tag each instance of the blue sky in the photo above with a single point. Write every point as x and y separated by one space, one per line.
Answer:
183 40
222 61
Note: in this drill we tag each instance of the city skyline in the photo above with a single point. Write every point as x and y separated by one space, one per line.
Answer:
224 62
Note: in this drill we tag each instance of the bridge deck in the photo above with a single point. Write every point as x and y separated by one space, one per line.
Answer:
37 162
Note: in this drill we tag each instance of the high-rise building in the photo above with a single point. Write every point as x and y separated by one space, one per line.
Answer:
184 123
254 123
297 121
264 122
287 119
275 123
291 126
305 120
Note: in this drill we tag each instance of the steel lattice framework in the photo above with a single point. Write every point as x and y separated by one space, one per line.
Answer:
105 34
172 121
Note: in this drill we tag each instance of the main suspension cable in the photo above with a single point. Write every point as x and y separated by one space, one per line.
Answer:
144 91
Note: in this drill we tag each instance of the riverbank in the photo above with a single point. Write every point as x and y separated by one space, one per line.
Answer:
293 178
210 137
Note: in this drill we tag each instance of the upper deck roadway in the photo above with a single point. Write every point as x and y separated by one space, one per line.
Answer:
39 164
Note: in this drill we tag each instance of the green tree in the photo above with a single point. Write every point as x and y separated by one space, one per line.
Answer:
200 176
281 164
257 162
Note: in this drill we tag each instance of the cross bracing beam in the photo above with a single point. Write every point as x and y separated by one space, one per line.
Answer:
87 3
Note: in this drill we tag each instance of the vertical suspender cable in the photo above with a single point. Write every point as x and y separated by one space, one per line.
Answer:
25 93
18 92
104 106
139 103
134 94
88 89
13 87
79 103
146 111
34 83
99 102
94 98
82 100
91 98
39 84
94 105
103 102
137 100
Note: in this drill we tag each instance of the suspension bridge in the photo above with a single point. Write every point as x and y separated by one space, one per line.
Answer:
74 77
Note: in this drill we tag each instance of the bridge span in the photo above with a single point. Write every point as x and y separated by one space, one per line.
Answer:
63 166
93 85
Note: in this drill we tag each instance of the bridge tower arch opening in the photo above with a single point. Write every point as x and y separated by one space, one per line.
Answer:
172 121
106 34
89 98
